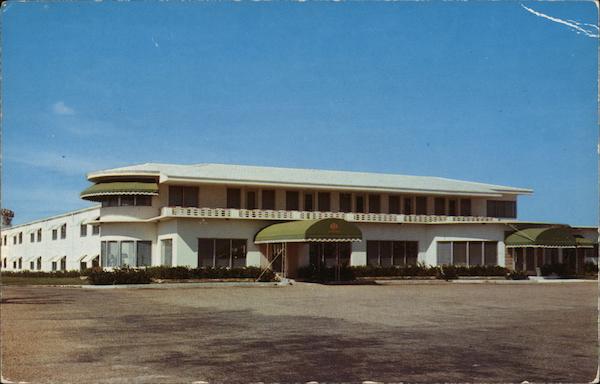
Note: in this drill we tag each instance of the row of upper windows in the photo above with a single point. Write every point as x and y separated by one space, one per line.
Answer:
37 235
348 202
127 201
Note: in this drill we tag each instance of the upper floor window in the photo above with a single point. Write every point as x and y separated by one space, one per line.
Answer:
54 234
110 201
394 204
15 239
83 230
360 203
374 203
308 201
39 235
180 196
127 201
452 207
345 202
4 239
63 231
324 201
465 207
499 208
31 237
234 198
408 206
251 200
421 205
439 206
268 199
291 201
20 237
96 229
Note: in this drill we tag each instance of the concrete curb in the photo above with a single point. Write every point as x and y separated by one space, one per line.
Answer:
184 285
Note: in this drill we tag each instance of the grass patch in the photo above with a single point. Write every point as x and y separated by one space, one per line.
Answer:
28 280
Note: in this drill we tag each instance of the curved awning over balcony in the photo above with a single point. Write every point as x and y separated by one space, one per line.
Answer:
97 191
336 230
548 237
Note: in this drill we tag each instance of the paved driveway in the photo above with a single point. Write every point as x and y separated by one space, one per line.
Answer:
449 332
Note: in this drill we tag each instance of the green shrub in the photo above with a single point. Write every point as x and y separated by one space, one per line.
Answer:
560 269
58 274
324 274
517 275
184 273
98 276
447 272
590 268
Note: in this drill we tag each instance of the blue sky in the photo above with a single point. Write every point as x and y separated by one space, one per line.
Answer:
498 92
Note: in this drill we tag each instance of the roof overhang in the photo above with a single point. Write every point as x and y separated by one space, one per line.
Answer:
324 230
546 237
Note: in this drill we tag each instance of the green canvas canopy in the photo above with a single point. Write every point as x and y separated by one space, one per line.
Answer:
119 188
553 237
309 230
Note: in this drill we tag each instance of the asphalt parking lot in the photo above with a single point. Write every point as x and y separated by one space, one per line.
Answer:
410 333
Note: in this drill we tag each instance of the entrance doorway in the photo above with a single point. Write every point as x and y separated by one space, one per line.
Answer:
325 254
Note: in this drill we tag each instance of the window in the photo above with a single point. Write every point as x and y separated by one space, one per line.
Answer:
4 239
325 254
180 196
421 205
394 204
490 253
143 201
268 199
467 253
465 207
475 253
324 201
308 201
291 201
63 263
452 207
39 263
110 201
20 263
14 239
251 200
31 265
54 234
439 206
127 253
112 254
345 202
551 255
221 253
205 253
4 263
144 254
96 229
166 252
127 201
374 203
39 235
20 237
32 237
497 208
392 253
234 198
54 266
83 230
63 231
360 204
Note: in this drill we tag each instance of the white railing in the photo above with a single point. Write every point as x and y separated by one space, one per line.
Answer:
267 214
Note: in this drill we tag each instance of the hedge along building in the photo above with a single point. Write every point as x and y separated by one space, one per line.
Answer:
232 216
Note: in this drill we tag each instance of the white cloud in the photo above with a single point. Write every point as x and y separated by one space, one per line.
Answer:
60 108
574 25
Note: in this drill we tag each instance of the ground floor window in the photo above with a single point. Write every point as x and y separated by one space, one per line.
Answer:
467 253
63 263
54 266
166 252
20 263
221 253
31 265
4 263
126 253
387 253
326 253
39 263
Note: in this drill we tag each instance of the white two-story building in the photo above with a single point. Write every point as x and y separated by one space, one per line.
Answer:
220 215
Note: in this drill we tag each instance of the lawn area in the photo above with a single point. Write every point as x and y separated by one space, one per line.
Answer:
22 280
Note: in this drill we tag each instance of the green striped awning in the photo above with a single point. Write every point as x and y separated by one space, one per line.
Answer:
119 188
550 237
309 230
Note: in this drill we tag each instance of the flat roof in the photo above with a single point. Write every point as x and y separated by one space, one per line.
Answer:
296 177
70 213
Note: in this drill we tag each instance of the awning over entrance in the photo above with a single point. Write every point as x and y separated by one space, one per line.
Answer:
549 237
309 230
119 188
